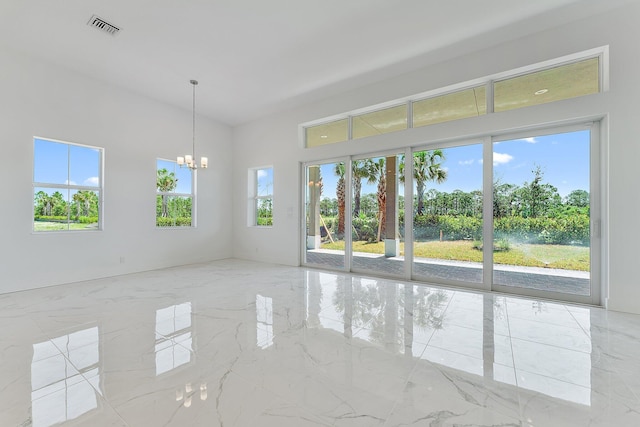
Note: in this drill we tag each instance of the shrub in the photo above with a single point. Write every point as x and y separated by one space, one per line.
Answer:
561 231
264 221
452 227
88 219
52 218
173 222
564 230
331 222
365 228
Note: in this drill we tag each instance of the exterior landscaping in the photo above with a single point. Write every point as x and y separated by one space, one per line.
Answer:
533 225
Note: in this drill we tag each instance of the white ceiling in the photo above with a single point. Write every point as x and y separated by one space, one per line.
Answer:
255 57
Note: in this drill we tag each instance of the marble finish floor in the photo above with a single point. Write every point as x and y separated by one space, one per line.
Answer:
238 343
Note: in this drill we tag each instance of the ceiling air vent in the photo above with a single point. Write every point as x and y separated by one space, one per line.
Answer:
103 25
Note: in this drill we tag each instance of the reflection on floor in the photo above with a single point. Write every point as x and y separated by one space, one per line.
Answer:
543 279
236 343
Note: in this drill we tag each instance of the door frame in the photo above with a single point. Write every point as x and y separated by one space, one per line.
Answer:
598 208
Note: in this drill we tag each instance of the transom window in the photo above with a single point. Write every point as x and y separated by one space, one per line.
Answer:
565 78
548 85
67 186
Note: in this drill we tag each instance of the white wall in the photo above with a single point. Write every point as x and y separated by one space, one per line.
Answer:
274 140
41 99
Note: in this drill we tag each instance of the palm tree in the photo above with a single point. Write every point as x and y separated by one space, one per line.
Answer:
377 174
58 205
78 198
341 195
165 182
44 203
427 166
83 200
359 171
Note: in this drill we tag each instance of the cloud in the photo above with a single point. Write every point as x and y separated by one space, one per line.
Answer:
67 182
501 158
262 173
531 140
94 181
466 162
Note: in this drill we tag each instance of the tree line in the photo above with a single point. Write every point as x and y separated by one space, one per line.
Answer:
533 199
427 166
83 207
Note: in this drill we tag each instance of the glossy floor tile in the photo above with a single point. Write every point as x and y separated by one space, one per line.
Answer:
236 343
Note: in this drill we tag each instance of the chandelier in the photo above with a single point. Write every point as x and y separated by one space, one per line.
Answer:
189 160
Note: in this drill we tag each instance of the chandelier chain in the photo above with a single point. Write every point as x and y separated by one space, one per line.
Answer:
194 83
189 160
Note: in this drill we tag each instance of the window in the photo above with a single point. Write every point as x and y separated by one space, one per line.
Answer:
261 197
553 84
174 199
452 106
327 133
542 210
448 213
381 121
67 186
325 198
506 213
562 78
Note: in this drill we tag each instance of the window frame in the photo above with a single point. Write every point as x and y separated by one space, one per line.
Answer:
68 186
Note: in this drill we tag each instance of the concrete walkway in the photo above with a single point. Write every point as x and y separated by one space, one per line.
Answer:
544 279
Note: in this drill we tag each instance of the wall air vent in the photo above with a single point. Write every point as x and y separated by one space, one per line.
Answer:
103 25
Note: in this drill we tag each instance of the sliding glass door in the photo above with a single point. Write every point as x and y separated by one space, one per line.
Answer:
325 214
377 226
447 214
542 214
517 214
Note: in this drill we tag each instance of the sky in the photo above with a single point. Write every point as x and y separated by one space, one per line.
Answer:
265 181
182 173
563 158
60 163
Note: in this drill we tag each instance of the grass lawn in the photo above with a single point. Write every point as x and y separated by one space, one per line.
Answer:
54 226
552 256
